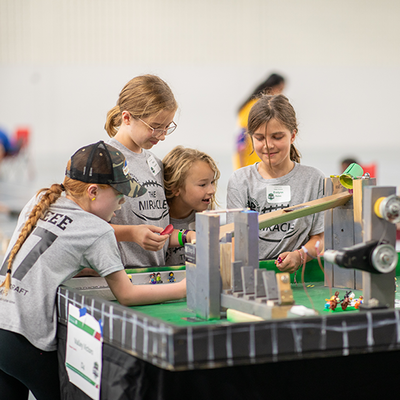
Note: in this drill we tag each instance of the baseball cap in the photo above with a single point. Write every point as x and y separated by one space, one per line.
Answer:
104 164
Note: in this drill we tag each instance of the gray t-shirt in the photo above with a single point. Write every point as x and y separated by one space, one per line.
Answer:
149 209
176 255
247 188
62 243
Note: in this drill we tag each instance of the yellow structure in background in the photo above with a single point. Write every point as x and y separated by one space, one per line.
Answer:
245 155
244 152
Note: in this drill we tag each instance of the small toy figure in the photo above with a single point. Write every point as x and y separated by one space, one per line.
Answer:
333 301
171 277
358 302
152 278
346 300
158 277
130 277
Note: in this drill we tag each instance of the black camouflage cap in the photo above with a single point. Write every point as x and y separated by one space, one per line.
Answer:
104 164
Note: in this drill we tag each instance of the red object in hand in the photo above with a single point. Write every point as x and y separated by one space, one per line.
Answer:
168 230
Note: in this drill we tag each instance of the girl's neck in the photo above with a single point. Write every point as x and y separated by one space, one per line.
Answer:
80 201
265 170
124 138
177 210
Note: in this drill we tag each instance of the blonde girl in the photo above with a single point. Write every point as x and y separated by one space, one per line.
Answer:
278 181
143 116
190 180
62 230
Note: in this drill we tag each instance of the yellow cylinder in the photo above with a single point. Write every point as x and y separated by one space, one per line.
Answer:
377 206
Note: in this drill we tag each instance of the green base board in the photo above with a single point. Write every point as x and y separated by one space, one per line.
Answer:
178 314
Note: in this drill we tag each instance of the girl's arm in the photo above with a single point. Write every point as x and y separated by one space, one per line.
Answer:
146 236
128 294
174 241
291 261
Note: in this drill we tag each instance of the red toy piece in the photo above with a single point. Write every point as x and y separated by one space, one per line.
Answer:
168 230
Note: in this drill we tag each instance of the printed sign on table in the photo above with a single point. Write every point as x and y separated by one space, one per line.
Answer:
84 351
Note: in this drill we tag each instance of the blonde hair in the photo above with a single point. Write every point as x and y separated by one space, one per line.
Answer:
177 164
48 196
274 107
142 96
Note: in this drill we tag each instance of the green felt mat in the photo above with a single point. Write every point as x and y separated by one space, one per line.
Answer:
178 314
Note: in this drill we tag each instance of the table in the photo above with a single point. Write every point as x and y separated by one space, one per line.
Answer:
150 352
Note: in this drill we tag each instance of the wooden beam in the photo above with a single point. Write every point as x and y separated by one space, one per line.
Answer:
225 251
291 213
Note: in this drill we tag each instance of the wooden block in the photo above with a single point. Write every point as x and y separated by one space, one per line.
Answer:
280 311
236 276
284 288
291 213
270 285
239 316
248 280
226 267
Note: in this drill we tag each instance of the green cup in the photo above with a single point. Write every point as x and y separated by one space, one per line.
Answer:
352 171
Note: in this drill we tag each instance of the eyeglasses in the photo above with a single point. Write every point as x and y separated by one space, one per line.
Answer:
156 133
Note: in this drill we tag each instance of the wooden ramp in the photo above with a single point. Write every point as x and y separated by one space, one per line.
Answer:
298 211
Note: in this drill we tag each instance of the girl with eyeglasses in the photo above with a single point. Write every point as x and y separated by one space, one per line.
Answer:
142 117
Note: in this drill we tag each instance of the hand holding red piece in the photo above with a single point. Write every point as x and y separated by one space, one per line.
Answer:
168 230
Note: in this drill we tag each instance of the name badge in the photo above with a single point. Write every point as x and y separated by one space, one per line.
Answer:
83 360
153 165
278 194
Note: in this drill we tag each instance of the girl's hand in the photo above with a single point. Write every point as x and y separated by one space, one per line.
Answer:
148 237
290 261
191 236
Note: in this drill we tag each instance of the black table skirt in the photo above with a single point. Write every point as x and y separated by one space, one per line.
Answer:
127 377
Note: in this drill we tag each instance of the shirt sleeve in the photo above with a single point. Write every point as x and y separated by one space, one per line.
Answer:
103 255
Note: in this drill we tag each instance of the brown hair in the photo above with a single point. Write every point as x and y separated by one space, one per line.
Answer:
279 108
177 164
48 196
142 96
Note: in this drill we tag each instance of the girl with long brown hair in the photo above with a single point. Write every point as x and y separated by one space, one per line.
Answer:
143 116
279 181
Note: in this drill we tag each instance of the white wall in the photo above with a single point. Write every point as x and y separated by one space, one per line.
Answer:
63 64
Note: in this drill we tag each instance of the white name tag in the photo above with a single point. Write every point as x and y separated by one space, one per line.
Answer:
83 359
153 165
278 194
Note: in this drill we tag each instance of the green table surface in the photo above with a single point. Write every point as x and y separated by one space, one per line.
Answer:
177 313
311 294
